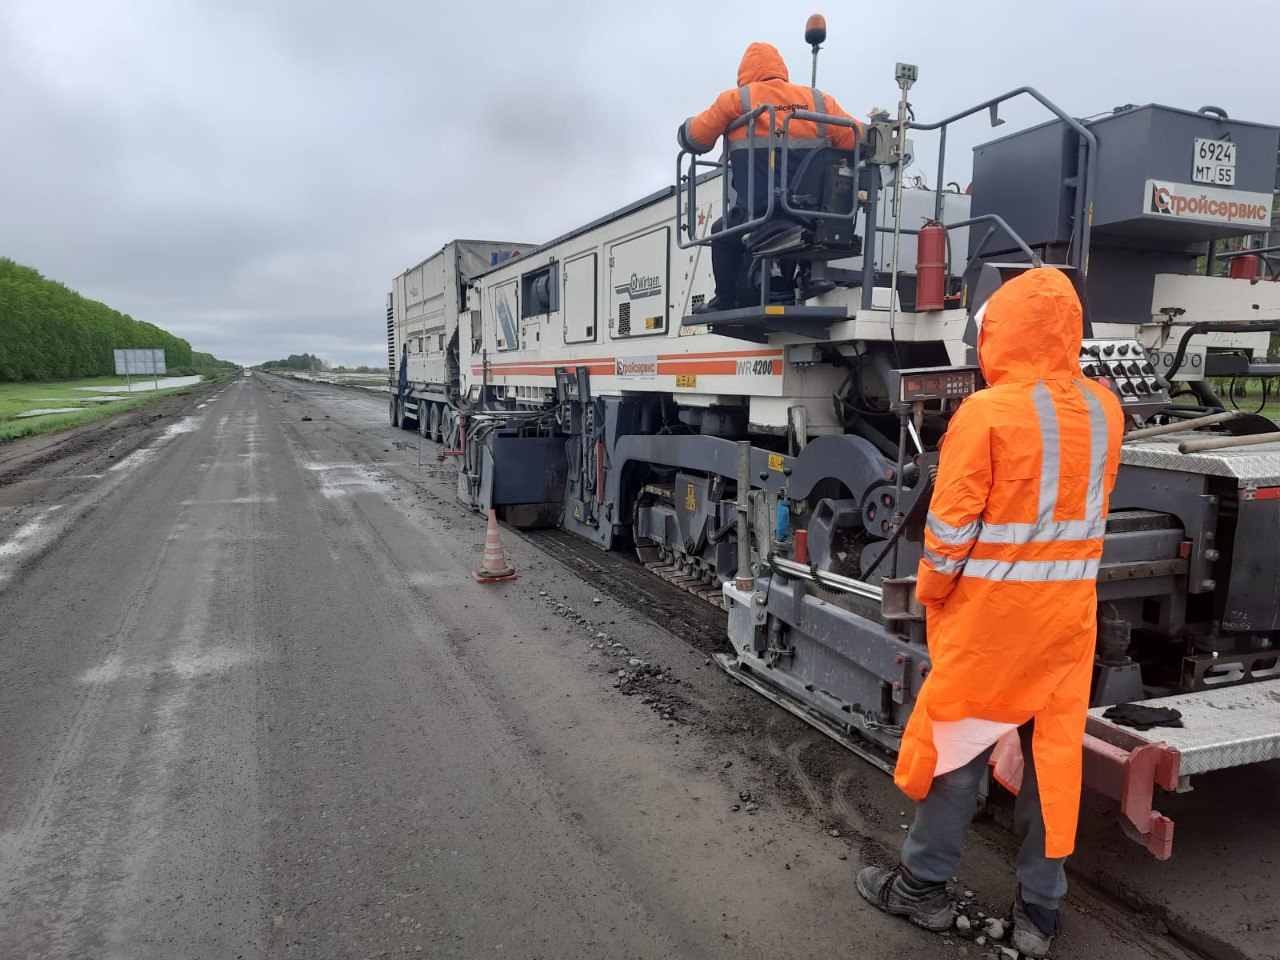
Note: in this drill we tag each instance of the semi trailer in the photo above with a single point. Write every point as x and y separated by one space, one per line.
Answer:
423 308
778 459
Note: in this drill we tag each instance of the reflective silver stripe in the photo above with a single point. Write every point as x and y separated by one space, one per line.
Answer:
1051 464
1097 451
794 143
819 106
692 143
1039 571
1042 532
744 98
944 564
953 536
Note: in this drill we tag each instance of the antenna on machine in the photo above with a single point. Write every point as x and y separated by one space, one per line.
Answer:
815 34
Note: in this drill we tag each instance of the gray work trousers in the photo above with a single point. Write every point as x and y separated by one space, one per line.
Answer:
932 850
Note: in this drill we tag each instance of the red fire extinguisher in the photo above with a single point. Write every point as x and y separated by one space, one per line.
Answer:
1244 267
931 266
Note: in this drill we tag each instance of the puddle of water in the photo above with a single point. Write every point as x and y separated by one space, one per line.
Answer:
45 411
146 385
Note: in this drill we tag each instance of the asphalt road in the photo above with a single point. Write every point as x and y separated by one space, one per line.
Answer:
253 705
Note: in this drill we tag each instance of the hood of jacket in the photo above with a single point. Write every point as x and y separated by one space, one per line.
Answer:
1030 329
762 61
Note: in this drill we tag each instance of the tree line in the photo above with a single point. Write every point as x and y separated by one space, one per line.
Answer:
50 332
302 362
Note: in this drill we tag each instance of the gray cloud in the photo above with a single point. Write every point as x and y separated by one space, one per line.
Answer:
251 175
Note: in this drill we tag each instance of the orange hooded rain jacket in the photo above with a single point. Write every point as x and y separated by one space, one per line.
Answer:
1012 546
762 78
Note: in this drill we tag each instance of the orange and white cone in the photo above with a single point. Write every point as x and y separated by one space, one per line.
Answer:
495 568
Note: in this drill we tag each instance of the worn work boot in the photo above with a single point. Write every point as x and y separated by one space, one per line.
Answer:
814 288
1034 928
716 304
896 892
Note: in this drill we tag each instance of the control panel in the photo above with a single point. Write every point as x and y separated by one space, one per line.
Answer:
1127 369
926 384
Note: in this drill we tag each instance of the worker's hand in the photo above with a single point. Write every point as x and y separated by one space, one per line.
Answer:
878 115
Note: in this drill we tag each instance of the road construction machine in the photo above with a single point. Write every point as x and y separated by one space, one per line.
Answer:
777 458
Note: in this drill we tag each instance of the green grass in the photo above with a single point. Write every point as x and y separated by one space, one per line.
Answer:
16 398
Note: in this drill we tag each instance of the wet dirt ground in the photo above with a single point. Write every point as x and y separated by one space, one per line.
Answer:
254 705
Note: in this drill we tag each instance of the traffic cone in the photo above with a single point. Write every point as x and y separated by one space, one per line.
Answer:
306 414
495 568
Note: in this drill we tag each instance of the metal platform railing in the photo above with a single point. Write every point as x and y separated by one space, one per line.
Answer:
1088 151
778 196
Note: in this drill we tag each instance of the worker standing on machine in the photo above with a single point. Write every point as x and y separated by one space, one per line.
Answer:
1008 580
762 79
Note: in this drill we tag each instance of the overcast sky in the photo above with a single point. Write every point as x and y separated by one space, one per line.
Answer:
250 174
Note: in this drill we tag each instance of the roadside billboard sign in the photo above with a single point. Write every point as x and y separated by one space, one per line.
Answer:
139 363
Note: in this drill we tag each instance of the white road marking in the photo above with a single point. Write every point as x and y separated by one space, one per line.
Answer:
23 538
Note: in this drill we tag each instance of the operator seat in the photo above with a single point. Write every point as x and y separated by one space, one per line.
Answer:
823 182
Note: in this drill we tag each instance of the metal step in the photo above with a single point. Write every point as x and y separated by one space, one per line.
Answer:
1221 728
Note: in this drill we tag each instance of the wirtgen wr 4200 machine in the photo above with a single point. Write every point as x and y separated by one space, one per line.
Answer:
778 458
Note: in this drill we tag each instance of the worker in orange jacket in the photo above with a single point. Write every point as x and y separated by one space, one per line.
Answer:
762 79
1008 581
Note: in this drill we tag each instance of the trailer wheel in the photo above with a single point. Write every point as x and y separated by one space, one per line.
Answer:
437 415
396 415
422 419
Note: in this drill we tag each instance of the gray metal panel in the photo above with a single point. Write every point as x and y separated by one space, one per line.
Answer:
1020 177
1253 466
1227 727
1156 142
1253 587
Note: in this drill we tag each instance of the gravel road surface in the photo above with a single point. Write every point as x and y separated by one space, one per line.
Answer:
253 705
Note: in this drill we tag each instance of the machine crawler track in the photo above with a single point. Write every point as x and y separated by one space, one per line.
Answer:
667 564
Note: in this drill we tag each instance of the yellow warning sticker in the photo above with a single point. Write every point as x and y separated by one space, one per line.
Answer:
686 379
690 499
776 461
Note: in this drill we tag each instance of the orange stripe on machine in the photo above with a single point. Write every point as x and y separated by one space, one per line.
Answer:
760 363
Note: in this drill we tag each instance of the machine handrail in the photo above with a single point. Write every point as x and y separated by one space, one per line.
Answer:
1232 254
685 221
686 205
1012 234
981 218
1088 146
1266 254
